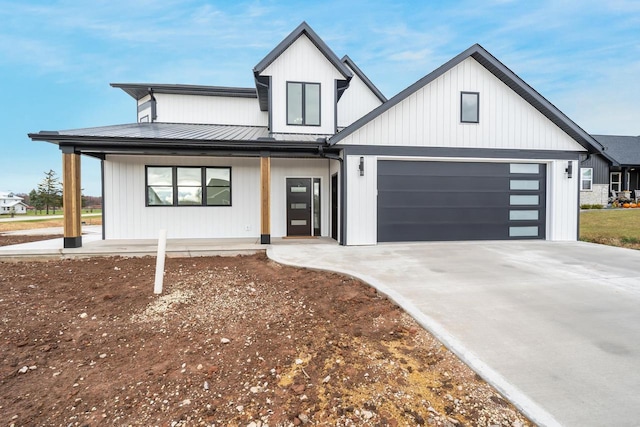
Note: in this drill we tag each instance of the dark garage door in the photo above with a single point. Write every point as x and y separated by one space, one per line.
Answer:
422 201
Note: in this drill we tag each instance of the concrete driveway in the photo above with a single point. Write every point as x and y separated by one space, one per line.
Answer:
554 326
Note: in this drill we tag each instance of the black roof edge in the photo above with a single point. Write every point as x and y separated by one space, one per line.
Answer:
140 90
303 28
349 62
507 76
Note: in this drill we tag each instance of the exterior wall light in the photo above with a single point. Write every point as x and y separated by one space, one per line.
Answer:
361 166
569 169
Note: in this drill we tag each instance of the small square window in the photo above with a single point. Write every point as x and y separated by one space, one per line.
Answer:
469 107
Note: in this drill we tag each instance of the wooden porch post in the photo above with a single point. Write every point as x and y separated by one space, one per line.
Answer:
71 200
265 199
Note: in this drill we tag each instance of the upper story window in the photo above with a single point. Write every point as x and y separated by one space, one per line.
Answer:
469 107
303 104
188 186
586 178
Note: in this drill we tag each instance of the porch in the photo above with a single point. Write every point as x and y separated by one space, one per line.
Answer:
93 246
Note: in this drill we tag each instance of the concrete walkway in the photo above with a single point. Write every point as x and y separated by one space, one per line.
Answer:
554 326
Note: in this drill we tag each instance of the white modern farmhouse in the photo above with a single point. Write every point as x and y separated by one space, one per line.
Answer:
468 152
12 204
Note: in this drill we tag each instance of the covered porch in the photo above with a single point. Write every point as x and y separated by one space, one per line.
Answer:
188 146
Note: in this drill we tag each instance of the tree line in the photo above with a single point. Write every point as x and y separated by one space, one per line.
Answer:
47 196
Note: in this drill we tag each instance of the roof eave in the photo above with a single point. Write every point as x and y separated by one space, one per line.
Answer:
349 62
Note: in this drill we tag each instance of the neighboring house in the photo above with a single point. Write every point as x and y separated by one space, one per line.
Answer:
468 152
9 203
603 176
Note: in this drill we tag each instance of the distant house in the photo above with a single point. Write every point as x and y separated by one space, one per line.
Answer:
468 152
602 177
9 203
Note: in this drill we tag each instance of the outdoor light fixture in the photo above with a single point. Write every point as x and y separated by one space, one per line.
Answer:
361 166
569 169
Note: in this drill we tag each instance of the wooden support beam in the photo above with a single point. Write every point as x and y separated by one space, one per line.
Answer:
71 200
265 200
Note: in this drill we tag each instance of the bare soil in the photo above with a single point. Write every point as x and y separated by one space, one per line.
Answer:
236 341
6 240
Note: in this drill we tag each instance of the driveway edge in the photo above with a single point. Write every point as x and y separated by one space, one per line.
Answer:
528 407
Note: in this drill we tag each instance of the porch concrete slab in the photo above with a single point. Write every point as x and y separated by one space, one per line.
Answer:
93 245
554 326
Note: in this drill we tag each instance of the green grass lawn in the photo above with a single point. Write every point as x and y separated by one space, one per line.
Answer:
43 214
616 227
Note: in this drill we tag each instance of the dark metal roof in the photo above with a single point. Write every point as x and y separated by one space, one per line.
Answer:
503 73
622 150
262 82
171 138
352 65
140 90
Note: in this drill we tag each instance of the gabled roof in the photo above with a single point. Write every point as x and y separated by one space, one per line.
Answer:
140 90
262 82
508 77
621 150
352 65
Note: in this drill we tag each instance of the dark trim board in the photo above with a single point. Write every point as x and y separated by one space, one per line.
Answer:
480 153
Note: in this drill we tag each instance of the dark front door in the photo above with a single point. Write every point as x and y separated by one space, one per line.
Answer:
334 207
299 207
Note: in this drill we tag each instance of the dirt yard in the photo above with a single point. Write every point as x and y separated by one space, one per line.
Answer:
238 341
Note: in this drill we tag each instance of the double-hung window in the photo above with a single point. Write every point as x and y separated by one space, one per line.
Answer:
303 104
586 179
188 186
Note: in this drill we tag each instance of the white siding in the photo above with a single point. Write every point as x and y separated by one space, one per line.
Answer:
562 202
431 117
355 102
362 202
221 110
302 62
127 217
281 169
146 113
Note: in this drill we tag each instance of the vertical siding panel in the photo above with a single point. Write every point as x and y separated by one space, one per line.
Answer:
506 120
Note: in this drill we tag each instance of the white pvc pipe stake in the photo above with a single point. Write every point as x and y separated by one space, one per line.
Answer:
162 248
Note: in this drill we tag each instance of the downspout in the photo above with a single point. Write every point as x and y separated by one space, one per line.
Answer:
154 110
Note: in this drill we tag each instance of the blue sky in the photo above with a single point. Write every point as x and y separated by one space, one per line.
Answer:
57 58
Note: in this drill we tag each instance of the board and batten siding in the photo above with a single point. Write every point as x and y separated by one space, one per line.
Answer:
127 217
355 102
431 117
562 201
303 62
221 110
362 201
281 169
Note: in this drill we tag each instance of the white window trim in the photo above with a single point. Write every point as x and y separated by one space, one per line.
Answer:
583 179
619 182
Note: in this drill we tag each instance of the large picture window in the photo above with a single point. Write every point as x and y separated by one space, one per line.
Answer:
188 186
586 179
469 107
303 104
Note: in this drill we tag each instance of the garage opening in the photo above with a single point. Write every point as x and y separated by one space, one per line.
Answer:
435 201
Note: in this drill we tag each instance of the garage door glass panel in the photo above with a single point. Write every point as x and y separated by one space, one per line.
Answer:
532 168
516 184
523 231
518 200
523 215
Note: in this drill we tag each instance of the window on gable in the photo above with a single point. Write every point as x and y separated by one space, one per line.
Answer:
188 186
469 107
303 104
586 179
